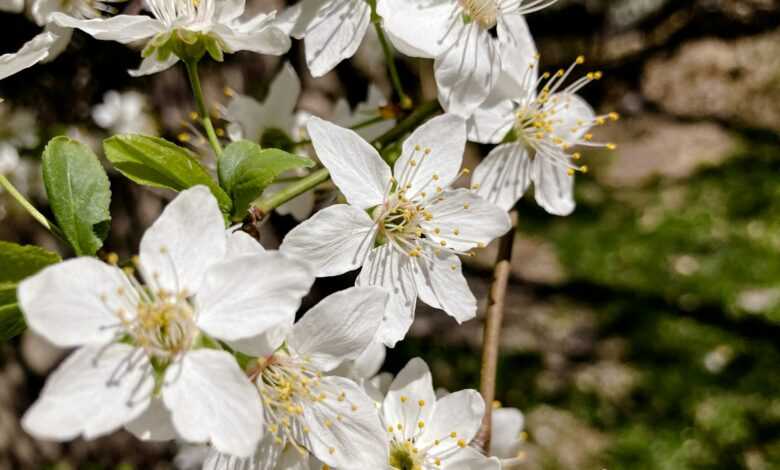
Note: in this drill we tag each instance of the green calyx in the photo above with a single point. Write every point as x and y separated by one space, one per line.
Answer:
189 46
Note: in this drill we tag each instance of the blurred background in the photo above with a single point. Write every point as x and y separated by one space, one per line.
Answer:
642 332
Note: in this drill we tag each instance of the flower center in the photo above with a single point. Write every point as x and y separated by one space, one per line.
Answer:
484 12
399 223
164 326
404 456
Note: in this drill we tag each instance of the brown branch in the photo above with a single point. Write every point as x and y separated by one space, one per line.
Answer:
492 333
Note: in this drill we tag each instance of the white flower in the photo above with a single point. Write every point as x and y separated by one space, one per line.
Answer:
470 40
332 30
548 121
124 113
218 20
507 436
307 411
144 359
405 227
12 6
426 433
273 122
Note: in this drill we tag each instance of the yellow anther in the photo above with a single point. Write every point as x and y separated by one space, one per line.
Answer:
194 115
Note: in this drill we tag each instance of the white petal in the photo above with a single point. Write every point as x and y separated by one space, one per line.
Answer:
12 6
266 457
151 65
355 165
266 343
417 28
335 34
434 150
507 424
335 240
411 398
553 186
32 52
247 118
467 70
366 366
504 175
186 239
63 302
346 433
463 220
264 39
282 97
460 412
229 10
491 122
154 424
390 268
470 459
241 243
340 327
519 65
211 400
120 28
94 392
60 43
249 295
441 284
571 112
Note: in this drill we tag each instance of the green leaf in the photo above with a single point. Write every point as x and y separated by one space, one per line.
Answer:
18 262
79 193
155 162
246 169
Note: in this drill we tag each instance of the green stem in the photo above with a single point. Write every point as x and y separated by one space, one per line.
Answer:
8 186
267 204
200 101
406 102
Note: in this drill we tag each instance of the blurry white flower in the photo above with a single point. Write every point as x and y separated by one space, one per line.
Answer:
124 113
366 118
507 436
12 6
332 30
470 40
405 227
307 411
548 120
215 22
144 353
9 158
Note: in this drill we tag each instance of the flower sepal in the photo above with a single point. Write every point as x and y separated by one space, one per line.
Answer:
189 46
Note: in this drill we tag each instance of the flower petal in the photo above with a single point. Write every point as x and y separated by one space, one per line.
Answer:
335 33
553 186
120 28
470 459
491 122
211 400
335 240
390 268
519 63
249 295
151 65
240 243
345 430
266 457
355 166
73 302
279 104
229 10
154 424
432 155
366 366
467 70
574 116
340 327
32 52
411 399
463 220
441 284
185 240
262 39
508 424
117 377
504 175
417 28
460 412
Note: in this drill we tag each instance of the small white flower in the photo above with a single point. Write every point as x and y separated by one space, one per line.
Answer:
143 359
332 30
470 40
549 120
124 113
507 436
307 411
405 227
217 19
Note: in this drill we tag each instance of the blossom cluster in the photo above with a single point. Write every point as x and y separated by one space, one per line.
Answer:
196 338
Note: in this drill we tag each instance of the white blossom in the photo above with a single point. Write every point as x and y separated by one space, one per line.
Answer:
405 227
507 436
472 41
549 121
219 20
144 359
124 113
307 411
